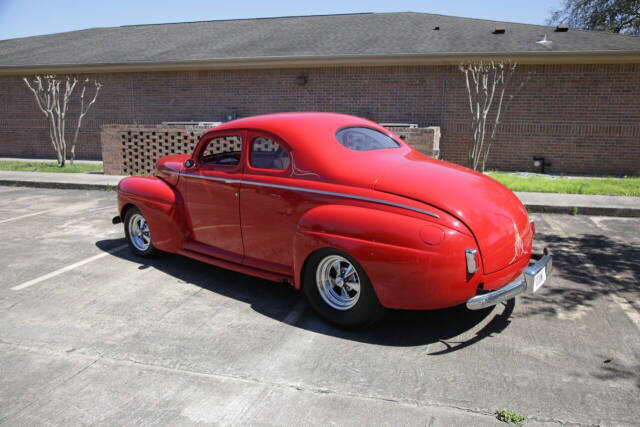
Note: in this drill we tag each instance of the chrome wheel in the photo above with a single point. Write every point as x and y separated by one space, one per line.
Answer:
139 232
338 282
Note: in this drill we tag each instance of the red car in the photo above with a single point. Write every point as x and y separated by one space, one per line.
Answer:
341 208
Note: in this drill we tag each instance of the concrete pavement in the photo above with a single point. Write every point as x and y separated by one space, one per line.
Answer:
122 340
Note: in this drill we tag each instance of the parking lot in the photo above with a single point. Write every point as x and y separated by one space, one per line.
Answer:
90 334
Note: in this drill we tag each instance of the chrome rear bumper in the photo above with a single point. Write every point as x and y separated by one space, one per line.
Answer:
518 286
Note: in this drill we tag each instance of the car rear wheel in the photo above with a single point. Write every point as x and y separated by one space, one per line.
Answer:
339 290
137 232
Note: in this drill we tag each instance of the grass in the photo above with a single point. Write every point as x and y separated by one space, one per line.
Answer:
627 186
23 166
510 416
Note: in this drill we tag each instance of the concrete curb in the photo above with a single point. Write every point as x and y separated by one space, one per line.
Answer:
584 210
532 208
57 185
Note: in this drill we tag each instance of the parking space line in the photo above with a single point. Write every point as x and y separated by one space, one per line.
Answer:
624 305
7 190
629 310
55 209
67 268
25 216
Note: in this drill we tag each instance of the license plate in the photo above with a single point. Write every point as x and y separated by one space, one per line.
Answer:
539 279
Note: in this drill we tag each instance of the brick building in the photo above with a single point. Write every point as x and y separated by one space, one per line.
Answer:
579 109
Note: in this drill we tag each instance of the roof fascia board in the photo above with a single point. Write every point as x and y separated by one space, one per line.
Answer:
592 57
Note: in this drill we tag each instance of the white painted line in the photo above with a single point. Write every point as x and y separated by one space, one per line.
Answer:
25 216
628 309
64 209
65 269
6 190
624 305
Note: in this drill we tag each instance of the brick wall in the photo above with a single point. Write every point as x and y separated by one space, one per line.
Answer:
134 149
581 118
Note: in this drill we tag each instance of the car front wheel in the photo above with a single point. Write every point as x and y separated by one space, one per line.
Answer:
137 232
339 290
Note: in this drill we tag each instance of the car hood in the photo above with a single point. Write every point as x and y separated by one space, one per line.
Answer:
491 211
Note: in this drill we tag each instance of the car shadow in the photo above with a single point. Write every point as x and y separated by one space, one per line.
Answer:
454 328
615 268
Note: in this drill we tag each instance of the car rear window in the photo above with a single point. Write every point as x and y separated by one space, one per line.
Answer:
364 139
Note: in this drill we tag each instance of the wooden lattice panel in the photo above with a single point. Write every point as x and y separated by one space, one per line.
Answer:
141 148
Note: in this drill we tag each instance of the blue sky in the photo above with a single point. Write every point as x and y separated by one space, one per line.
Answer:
22 18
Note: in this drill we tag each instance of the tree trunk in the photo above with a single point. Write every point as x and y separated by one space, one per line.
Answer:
48 94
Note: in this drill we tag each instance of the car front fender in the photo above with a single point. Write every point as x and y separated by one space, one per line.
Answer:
162 206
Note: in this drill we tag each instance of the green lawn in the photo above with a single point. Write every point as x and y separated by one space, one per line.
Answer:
22 166
627 186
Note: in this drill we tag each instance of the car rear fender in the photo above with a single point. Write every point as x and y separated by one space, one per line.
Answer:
162 206
405 257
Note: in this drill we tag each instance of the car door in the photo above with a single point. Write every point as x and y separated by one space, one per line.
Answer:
212 190
268 209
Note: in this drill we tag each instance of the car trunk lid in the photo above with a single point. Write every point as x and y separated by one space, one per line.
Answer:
492 212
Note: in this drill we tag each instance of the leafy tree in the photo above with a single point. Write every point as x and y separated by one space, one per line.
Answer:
615 16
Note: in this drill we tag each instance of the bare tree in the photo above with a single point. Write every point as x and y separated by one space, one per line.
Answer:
53 100
485 82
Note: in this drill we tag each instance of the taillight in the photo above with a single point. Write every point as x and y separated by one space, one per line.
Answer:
472 260
533 227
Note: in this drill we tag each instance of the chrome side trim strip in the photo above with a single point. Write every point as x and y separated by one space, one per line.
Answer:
309 190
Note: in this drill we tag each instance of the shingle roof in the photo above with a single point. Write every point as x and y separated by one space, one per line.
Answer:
379 34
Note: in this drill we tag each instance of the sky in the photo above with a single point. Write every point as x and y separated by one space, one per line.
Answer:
23 18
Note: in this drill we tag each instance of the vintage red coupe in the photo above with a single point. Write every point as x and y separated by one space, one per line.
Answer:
339 207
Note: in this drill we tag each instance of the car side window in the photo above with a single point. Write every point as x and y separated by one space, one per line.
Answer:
223 150
268 154
359 138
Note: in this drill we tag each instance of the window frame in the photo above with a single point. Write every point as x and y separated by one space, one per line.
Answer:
204 143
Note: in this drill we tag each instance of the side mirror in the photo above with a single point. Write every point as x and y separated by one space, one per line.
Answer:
188 163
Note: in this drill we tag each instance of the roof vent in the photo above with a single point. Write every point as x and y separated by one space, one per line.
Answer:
500 30
437 27
562 28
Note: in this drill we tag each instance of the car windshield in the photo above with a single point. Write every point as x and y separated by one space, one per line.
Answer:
364 139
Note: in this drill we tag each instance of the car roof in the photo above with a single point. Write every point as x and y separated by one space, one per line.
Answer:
294 127
315 149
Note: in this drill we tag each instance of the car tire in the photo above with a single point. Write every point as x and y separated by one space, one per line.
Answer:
137 233
346 299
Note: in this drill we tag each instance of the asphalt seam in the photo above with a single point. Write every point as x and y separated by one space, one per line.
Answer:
44 350
253 380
